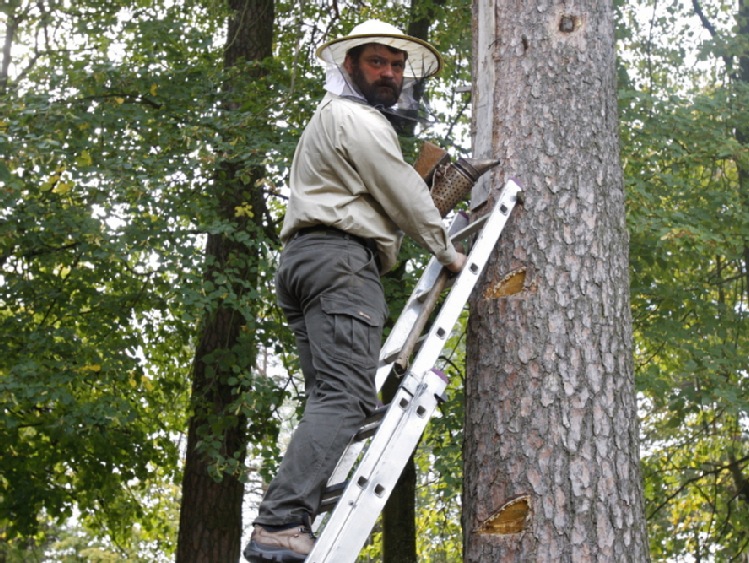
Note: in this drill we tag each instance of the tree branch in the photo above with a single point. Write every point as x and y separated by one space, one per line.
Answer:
705 22
38 252
715 471
131 98
10 32
741 482
14 21
711 30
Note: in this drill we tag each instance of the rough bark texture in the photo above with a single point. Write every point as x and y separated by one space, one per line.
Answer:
211 511
551 412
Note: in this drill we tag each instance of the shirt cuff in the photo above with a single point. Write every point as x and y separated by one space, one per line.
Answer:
447 256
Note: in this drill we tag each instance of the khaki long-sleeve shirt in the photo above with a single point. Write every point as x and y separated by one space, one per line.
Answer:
348 172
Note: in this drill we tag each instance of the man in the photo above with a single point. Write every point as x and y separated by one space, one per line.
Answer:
351 196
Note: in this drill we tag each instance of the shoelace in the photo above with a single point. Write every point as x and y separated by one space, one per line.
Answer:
305 530
307 527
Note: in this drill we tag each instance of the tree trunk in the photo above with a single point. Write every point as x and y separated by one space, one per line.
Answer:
740 480
211 506
399 514
742 130
551 440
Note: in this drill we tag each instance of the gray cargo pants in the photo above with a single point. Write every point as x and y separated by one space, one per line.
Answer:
329 288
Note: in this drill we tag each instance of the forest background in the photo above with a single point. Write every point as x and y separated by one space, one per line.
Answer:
114 119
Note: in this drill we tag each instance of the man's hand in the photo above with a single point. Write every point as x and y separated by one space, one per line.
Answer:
458 264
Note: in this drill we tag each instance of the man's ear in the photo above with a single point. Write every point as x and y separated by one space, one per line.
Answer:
348 64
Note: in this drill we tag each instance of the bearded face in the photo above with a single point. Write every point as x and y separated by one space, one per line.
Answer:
378 73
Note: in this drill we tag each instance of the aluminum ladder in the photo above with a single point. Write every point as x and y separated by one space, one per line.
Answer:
356 499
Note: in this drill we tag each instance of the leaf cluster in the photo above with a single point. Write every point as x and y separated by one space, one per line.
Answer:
685 160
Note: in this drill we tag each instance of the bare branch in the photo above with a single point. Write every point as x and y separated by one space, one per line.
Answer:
705 22
735 463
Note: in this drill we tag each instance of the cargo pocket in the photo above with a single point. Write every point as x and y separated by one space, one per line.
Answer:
357 330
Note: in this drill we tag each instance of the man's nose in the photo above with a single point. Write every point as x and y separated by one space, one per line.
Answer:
390 69
387 70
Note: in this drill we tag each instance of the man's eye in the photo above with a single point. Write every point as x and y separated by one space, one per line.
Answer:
378 62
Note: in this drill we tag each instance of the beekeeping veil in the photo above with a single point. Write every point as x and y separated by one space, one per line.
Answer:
422 62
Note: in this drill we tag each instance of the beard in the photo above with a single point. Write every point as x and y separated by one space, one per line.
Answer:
384 92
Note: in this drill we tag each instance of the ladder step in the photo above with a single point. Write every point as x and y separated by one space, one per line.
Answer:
469 230
389 358
370 424
332 495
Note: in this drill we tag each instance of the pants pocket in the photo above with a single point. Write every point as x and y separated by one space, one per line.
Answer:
356 330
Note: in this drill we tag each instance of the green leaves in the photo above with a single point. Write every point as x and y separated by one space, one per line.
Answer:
112 124
98 225
684 153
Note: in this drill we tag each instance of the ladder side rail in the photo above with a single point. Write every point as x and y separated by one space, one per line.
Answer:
414 305
387 428
453 305
374 479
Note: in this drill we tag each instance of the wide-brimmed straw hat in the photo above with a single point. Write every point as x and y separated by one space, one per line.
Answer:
423 59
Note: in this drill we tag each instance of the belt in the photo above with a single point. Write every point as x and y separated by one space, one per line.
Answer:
338 233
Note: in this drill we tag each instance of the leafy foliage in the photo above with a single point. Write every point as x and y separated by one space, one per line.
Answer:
102 210
686 168
111 127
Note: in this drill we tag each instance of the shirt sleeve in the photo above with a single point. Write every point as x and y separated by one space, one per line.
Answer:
373 149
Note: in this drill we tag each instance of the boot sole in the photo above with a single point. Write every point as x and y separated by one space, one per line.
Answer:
254 553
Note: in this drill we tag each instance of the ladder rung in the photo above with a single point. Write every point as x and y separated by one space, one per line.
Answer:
390 358
332 493
331 496
370 424
471 229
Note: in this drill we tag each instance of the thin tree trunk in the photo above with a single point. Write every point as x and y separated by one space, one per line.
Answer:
740 479
742 131
551 440
399 514
11 26
211 506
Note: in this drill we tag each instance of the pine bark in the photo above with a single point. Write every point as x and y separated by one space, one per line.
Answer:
211 507
551 440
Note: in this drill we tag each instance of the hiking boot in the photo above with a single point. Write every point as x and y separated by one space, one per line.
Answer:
287 546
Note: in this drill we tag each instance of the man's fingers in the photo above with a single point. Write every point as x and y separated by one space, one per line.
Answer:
458 264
